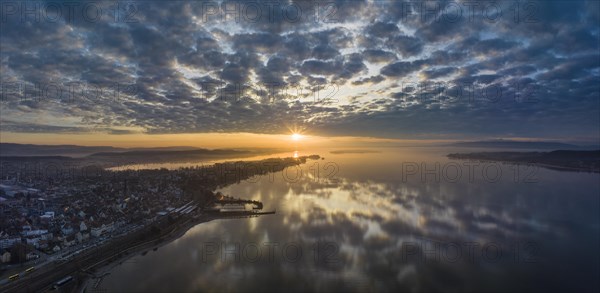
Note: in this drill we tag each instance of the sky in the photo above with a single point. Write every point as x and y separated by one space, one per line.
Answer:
250 73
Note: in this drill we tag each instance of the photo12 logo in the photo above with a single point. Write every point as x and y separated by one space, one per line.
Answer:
453 172
71 12
469 92
270 252
72 91
275 11
270 11
270 92
470 11
431 251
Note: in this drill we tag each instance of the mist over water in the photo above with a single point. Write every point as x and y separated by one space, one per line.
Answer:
369 221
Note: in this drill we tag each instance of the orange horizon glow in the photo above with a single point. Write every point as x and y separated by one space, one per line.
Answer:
290 141
204 140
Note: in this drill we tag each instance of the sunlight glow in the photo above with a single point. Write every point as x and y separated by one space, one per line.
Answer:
296 136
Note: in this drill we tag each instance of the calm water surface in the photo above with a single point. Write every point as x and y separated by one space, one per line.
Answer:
373 222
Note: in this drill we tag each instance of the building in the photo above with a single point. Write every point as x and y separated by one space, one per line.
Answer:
69 241
5 256
82 226
36 232
66 229
98 230
81 237
32 255
9 241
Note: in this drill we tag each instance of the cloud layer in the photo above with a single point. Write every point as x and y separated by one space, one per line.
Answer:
364 68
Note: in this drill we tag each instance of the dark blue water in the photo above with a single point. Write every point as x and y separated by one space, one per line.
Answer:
390 220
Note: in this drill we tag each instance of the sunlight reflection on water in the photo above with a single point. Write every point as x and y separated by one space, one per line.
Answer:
387 231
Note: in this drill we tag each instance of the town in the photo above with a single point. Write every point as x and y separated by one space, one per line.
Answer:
52 219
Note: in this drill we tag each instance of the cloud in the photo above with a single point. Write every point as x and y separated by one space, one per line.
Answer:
370 79
401 68
379 56
438 72
170 71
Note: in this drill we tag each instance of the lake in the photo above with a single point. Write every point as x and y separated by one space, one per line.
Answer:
389 219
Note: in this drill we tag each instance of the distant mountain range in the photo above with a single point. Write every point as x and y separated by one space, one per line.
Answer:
512 144
110 156
153 155
570 160
16 149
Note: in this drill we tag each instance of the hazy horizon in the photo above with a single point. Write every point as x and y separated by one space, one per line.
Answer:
248 140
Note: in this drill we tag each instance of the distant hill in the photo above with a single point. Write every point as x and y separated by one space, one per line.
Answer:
567 160
520 145
150 155
340 152
110 156
16 149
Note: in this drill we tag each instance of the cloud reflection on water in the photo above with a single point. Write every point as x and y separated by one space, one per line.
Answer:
372 218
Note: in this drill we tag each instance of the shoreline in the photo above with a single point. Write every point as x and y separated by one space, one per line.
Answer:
89 283
92 264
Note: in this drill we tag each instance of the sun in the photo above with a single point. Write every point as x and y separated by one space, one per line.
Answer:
296 136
